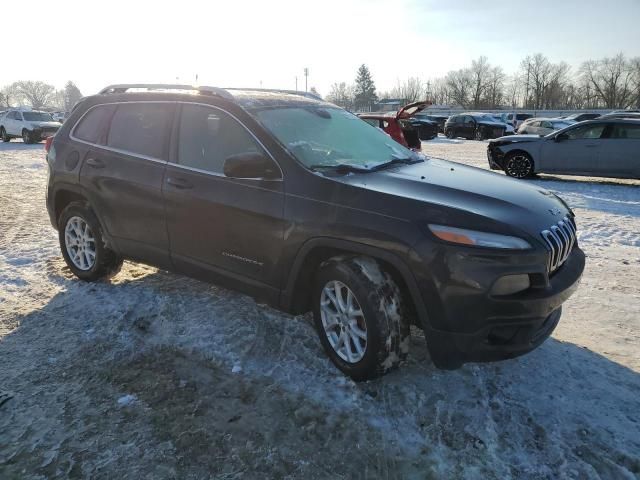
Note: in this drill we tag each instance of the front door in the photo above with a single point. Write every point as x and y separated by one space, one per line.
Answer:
575 153
123 174
226 229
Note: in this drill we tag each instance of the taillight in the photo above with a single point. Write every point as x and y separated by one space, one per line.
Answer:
47 144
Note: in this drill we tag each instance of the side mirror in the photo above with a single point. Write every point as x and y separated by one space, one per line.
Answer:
561 137
250 165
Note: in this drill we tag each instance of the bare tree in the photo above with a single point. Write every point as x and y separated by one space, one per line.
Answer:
479 73
460 85
37 94
342 95
612 80
411 90
9 96
494 91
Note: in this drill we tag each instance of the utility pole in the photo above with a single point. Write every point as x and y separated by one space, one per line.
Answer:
296 83
306 76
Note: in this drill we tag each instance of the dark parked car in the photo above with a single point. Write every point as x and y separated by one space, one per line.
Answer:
300 204
400 127
629 115
601 148
471 125
580 117
439 119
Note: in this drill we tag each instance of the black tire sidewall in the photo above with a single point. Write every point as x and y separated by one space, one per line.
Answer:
379 327
3 134
105 261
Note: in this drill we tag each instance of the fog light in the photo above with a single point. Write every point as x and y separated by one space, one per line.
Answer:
510 284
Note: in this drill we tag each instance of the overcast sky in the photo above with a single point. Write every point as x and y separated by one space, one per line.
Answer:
268 43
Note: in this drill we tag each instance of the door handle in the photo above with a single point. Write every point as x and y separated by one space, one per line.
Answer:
95 163
180 183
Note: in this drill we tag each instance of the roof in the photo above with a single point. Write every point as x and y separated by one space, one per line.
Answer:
248 98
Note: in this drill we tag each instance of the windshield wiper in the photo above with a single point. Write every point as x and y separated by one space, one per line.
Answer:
340 168
397 161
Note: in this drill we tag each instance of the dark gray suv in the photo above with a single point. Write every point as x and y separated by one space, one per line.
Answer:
304 206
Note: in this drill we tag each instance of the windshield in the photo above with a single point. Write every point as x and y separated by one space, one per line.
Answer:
329 136
37 117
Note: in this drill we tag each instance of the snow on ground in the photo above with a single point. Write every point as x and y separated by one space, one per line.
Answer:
154 375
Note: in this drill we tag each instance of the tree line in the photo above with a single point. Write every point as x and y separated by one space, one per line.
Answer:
610 82
39 95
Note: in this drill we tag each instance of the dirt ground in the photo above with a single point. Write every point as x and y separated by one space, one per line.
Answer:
156 376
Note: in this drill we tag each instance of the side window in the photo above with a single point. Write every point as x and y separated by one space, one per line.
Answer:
586 132
92 125
468 119
626 131
140 128
209 136
546 125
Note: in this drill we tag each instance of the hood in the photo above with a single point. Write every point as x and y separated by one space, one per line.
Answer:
411 109
515 139
492 123
490 198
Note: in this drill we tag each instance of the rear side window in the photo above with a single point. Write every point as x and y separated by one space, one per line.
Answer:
140 128
92 125
627 131
209 136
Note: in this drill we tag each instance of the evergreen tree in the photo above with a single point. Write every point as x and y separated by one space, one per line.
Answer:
365 90
72 95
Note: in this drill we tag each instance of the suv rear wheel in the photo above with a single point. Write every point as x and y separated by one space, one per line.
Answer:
82 244
3 134
479 133
358 312
27 137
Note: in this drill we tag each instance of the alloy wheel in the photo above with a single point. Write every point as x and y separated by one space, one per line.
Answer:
80 243
343 321
519 166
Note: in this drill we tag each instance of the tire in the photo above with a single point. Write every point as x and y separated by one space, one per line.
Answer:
3 134
479 134
519 165
381 318
449 134
106 263
27 137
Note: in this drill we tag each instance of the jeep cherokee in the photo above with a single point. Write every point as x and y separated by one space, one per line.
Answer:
306 207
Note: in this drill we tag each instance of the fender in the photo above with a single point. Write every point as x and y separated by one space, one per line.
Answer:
287 295
79 190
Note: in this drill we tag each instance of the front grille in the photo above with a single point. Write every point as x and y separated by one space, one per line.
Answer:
560 240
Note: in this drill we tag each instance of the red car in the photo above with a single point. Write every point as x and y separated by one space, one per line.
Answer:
397 125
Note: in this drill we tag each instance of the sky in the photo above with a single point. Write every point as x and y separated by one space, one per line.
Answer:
268 43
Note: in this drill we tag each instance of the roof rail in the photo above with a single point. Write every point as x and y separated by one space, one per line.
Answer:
123 87
276 90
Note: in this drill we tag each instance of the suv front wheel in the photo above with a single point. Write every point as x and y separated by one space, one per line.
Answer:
358 312
27 137
83 246
4 135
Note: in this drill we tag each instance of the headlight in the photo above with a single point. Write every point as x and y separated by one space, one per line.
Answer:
474 238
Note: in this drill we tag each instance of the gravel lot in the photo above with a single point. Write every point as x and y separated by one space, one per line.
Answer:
154 375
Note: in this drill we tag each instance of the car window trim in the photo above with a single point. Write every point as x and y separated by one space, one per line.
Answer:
172 126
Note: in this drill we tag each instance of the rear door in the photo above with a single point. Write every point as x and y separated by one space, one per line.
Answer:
13 124
577 153
225 229
619 155
123 171
468 126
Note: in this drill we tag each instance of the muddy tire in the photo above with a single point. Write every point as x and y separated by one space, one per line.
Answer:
519 165
480 135
359 315
4 136
449 134
83 246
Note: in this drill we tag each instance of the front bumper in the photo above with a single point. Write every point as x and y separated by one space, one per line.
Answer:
471 325
494 156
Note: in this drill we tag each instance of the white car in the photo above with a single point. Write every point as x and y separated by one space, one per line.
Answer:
543 126
515 119
508 128
30 125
